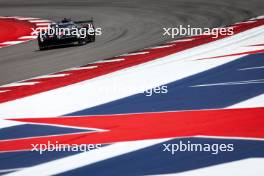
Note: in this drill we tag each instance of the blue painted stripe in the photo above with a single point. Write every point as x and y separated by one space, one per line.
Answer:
21 159
12 160
23 131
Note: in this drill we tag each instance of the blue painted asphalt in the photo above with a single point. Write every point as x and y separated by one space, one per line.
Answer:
23 131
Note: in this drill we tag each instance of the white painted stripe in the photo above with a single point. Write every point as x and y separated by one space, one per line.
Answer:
9 123
82 68
258 18
51 76
2 91
42 24
109 60
11 170
11 17
181 40
20 84
26 18
246 22
245 167
133 54
258 81
257 101
28 37
251 68
158 47
12 42
20 18
40 21
86 158
43 28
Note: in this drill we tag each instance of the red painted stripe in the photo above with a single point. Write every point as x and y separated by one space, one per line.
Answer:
245 123
106 68
11 29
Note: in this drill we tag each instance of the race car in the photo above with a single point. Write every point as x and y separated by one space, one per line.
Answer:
67 32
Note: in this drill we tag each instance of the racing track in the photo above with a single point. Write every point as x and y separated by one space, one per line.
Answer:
127 26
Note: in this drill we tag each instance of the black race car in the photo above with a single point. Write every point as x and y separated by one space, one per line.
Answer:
67 32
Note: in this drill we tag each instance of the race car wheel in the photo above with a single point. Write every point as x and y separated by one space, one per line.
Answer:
92 38
42 46
82 42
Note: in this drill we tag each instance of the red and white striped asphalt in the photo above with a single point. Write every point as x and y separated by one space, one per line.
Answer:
15 29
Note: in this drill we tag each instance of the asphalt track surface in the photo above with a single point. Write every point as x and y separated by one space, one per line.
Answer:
127 26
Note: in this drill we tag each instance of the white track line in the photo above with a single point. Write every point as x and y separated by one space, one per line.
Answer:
25 18
52 76
181 40
246 22
11 170
20 84
28 37
159 47
251 68
258 18
43 28
39 21
12 42
258 81
108 61
42 24
257 101
82 68
9 123
133 54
